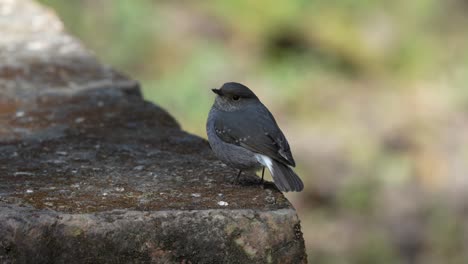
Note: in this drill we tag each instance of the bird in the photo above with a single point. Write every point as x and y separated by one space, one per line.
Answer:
244 135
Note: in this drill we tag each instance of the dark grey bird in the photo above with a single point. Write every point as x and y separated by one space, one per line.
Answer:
244 135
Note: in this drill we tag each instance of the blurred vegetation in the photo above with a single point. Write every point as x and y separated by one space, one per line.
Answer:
372 96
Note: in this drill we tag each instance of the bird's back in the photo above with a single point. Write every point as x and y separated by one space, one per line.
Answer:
233 155
255 129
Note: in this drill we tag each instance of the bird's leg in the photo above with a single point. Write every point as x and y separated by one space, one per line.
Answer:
263 173
238 176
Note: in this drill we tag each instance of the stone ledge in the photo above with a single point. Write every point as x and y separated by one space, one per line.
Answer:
91 173
173 236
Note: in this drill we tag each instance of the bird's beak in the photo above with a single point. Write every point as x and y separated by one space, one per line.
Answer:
217 91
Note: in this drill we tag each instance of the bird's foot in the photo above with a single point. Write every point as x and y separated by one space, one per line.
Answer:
237 181
261 180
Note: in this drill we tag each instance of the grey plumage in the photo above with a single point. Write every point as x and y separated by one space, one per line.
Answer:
244 135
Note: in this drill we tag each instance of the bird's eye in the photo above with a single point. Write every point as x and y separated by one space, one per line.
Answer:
235 97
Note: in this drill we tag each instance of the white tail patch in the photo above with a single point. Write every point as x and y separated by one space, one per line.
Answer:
265 161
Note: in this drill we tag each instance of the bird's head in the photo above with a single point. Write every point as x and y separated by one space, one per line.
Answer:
233 96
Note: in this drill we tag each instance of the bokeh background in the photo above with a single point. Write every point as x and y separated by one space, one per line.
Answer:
372 96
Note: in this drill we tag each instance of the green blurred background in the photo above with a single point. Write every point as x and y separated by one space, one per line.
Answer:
372 96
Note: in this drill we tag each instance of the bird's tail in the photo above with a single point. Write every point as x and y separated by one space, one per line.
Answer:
285 178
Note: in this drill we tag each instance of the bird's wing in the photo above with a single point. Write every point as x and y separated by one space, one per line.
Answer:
256 130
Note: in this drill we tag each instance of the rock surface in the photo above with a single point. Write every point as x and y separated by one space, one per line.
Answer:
91 173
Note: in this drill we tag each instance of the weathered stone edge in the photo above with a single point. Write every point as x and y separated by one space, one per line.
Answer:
250 235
